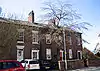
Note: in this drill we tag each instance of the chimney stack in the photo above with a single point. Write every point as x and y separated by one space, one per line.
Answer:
31 17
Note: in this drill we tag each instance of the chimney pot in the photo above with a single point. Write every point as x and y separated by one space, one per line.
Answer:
31 17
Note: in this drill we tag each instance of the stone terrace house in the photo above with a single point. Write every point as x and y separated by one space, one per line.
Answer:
35 42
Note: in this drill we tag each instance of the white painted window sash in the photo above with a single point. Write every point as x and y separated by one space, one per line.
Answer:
48 53
70 54
37 52
48 38
21 31
35 37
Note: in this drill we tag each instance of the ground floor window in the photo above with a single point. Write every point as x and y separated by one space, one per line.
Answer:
19 54
79 54
48 54
35 54
70 54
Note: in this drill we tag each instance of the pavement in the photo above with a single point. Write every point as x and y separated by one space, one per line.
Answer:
87 69
83 69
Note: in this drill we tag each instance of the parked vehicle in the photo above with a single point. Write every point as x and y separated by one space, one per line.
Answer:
30 64
23 62
11 65
45 65
54 66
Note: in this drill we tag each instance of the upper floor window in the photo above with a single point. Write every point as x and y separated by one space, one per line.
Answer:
48 39
69 39
20 36
34 37
78 40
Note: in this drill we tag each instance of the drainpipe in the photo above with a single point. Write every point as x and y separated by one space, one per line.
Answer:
65 48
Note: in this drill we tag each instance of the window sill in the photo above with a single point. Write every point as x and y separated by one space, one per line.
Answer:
48 59
20 41
35 43
48 43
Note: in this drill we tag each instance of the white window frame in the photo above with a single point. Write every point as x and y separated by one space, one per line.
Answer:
48 37
19 58
21 30
37 51
70 54
80 54
36 37
48 52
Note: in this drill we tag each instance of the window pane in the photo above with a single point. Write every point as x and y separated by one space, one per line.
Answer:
70 40
1 65
79 55
21 36
34 55
48 38
21 33
33 62
70 53
15 64
34 37
48 41
78 40
48 53
12 64
4 65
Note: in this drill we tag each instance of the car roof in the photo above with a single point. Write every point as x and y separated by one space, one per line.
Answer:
8 61
30 60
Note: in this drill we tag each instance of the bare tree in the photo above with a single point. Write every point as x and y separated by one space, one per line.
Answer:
62 14
8 36
0 10
97 47
11 16
9 25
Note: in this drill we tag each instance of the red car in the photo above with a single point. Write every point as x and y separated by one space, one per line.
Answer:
11 65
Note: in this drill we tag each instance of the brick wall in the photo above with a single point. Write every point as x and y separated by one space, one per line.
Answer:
75 64
94 62
71 64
